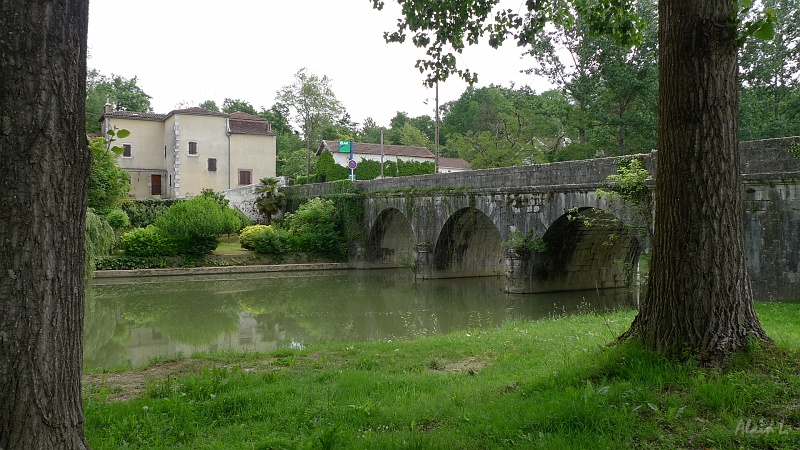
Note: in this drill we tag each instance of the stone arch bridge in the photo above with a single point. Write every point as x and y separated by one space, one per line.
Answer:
477 223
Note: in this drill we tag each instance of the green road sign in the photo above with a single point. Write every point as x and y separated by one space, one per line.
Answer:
344 146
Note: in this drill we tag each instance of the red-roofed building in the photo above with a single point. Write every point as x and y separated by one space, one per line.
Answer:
187 150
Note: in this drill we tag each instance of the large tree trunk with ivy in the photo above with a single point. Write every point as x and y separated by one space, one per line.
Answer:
44 162
698 299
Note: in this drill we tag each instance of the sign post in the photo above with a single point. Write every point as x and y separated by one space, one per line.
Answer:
352 165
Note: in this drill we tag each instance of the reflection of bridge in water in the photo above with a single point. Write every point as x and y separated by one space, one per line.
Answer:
456 224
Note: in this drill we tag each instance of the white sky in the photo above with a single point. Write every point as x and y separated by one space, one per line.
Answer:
194 50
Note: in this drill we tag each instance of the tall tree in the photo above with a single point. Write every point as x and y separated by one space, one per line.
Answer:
313 105
210 105
45 165
230 106
124 94
698 301
770 75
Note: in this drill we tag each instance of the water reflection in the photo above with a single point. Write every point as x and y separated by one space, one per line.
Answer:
128 323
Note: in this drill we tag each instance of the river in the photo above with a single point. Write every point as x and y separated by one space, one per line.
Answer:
130 321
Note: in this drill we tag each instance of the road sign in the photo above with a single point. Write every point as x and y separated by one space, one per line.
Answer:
352 164
344 147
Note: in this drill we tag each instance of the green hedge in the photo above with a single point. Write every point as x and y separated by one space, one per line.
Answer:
145 212
367 169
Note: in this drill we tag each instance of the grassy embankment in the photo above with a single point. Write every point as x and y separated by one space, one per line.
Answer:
546 384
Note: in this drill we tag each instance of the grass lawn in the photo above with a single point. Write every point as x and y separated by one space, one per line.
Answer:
548 384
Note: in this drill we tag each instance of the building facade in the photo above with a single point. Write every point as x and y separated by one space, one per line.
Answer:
177 155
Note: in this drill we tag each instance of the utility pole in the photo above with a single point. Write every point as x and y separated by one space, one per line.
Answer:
381 153
436 130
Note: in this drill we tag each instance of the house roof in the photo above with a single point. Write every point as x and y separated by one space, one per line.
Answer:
363 148
240 123
197 111
134 115
453 163
243 123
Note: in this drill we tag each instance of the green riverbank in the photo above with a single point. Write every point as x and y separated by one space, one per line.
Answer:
546 384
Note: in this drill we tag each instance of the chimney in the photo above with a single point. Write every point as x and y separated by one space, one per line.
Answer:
107 106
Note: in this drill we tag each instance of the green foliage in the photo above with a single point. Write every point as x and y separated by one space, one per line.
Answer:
146 211
108 183
248 233
313 105
99 241
629 183
126 262
147 242
118 219
525 243
217 197
194 224
770 87
314 225
231 106
274 241
794 149
328 170
123 93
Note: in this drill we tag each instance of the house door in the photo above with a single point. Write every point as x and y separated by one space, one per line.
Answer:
155 184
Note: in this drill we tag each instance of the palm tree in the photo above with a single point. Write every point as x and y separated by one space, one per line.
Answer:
270 199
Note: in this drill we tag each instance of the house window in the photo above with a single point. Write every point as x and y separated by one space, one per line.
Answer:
212 164
193 148
245 177
127 151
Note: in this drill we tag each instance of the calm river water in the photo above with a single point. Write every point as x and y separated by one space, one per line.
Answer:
128 323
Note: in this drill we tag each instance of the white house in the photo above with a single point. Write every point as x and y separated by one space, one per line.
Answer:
185 151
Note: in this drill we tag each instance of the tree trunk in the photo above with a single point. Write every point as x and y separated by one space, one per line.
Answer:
44 162
698 301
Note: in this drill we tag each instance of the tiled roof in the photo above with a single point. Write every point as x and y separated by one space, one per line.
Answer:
453 163
243 123
195 110
134 115
363 148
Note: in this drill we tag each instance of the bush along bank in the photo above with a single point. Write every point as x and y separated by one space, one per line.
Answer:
188 235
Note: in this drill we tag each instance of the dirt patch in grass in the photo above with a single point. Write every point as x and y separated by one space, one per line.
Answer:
130 384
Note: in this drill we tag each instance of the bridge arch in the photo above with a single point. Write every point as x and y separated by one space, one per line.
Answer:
469 245
587 248
391 238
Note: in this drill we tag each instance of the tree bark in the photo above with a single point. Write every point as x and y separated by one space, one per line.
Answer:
698 300
44 167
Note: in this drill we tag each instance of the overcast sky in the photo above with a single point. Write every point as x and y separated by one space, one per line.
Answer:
193 50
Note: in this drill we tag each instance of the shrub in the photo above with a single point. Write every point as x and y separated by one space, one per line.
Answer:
314 226
130 262
99 241
247 234
145 212
148 241
274 241
315 216
194 224
330 244
108 183
118 219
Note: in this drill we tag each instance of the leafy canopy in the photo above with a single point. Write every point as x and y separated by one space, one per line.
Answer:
445 27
